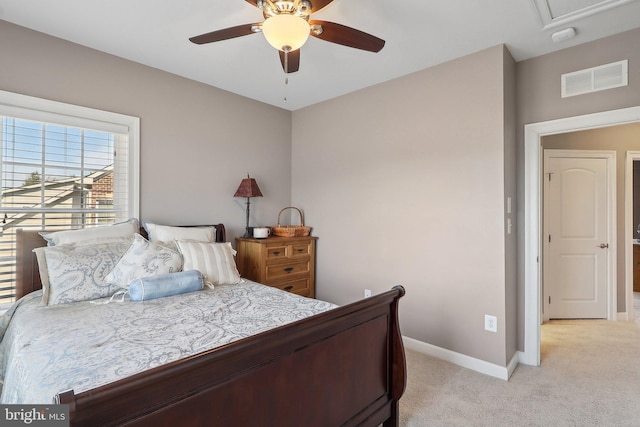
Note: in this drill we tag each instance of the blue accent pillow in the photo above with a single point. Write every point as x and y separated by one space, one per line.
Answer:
164 285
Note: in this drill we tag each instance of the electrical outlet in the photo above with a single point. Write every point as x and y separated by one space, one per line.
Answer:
367 293
490 323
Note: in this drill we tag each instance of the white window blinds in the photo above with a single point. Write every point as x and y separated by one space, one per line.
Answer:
57 176
61 171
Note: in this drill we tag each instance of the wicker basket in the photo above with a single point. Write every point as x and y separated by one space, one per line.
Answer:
291 230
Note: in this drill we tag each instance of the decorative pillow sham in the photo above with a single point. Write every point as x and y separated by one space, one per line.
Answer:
144 259
165 285
71 273
214 260
103 234
167 234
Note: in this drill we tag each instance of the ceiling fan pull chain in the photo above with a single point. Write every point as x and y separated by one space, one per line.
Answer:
286 85
286 70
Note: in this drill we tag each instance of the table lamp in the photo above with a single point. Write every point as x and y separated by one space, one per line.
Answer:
248 188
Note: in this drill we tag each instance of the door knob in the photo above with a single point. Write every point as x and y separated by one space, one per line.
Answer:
604 245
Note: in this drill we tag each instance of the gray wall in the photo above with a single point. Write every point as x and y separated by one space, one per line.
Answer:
538 100
404 182
197 142
510 188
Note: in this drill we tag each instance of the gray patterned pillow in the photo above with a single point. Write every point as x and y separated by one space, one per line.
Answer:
144 259
73 273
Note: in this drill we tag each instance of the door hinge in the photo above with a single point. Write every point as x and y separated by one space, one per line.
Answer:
549 299
549 238
549 175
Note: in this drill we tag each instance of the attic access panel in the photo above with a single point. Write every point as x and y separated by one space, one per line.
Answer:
554 13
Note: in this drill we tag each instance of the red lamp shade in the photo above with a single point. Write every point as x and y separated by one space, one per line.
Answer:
248 188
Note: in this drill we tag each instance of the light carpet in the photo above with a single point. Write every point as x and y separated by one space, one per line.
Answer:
589 376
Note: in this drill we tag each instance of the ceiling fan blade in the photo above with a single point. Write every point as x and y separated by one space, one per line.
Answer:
347 36
292 63
316 5
224 34
253 2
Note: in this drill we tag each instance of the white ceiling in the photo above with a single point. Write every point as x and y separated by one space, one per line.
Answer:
418 34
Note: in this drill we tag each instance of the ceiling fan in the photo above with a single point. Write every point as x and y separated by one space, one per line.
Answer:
287 27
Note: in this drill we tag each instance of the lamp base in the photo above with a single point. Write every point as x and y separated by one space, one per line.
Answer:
247 232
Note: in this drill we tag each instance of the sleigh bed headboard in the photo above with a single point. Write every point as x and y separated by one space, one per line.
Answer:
27 272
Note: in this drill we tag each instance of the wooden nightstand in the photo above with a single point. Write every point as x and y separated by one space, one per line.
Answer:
287 263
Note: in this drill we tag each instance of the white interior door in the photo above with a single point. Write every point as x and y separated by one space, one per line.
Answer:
578 241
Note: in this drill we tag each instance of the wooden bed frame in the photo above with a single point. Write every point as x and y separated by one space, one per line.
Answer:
344 367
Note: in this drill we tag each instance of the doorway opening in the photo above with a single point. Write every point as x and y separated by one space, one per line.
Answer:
532 215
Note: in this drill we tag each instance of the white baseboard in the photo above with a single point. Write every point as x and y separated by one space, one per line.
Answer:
622 315
502 372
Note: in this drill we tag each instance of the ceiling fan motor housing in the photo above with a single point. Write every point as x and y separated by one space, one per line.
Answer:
300 8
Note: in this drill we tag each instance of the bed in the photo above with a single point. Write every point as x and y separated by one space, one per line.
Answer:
345 366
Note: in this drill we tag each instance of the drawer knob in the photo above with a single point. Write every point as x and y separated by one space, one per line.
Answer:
300 250
288 269
288 288
276 253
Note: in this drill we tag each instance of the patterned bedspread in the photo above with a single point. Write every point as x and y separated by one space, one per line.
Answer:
49 349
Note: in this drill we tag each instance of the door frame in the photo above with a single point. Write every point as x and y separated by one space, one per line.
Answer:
533 134
610 157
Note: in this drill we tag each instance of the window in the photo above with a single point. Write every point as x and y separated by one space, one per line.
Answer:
62 167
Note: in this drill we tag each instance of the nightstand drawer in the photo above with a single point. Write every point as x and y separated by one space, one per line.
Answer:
300 287
276 252
278 271
300 250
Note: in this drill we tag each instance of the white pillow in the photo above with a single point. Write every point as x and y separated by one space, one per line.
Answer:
103 234
214 260
166 234
144 259
71 273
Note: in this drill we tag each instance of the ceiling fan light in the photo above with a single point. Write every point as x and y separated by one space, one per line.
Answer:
286 32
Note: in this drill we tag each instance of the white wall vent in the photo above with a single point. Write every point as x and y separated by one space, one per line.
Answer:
595 79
